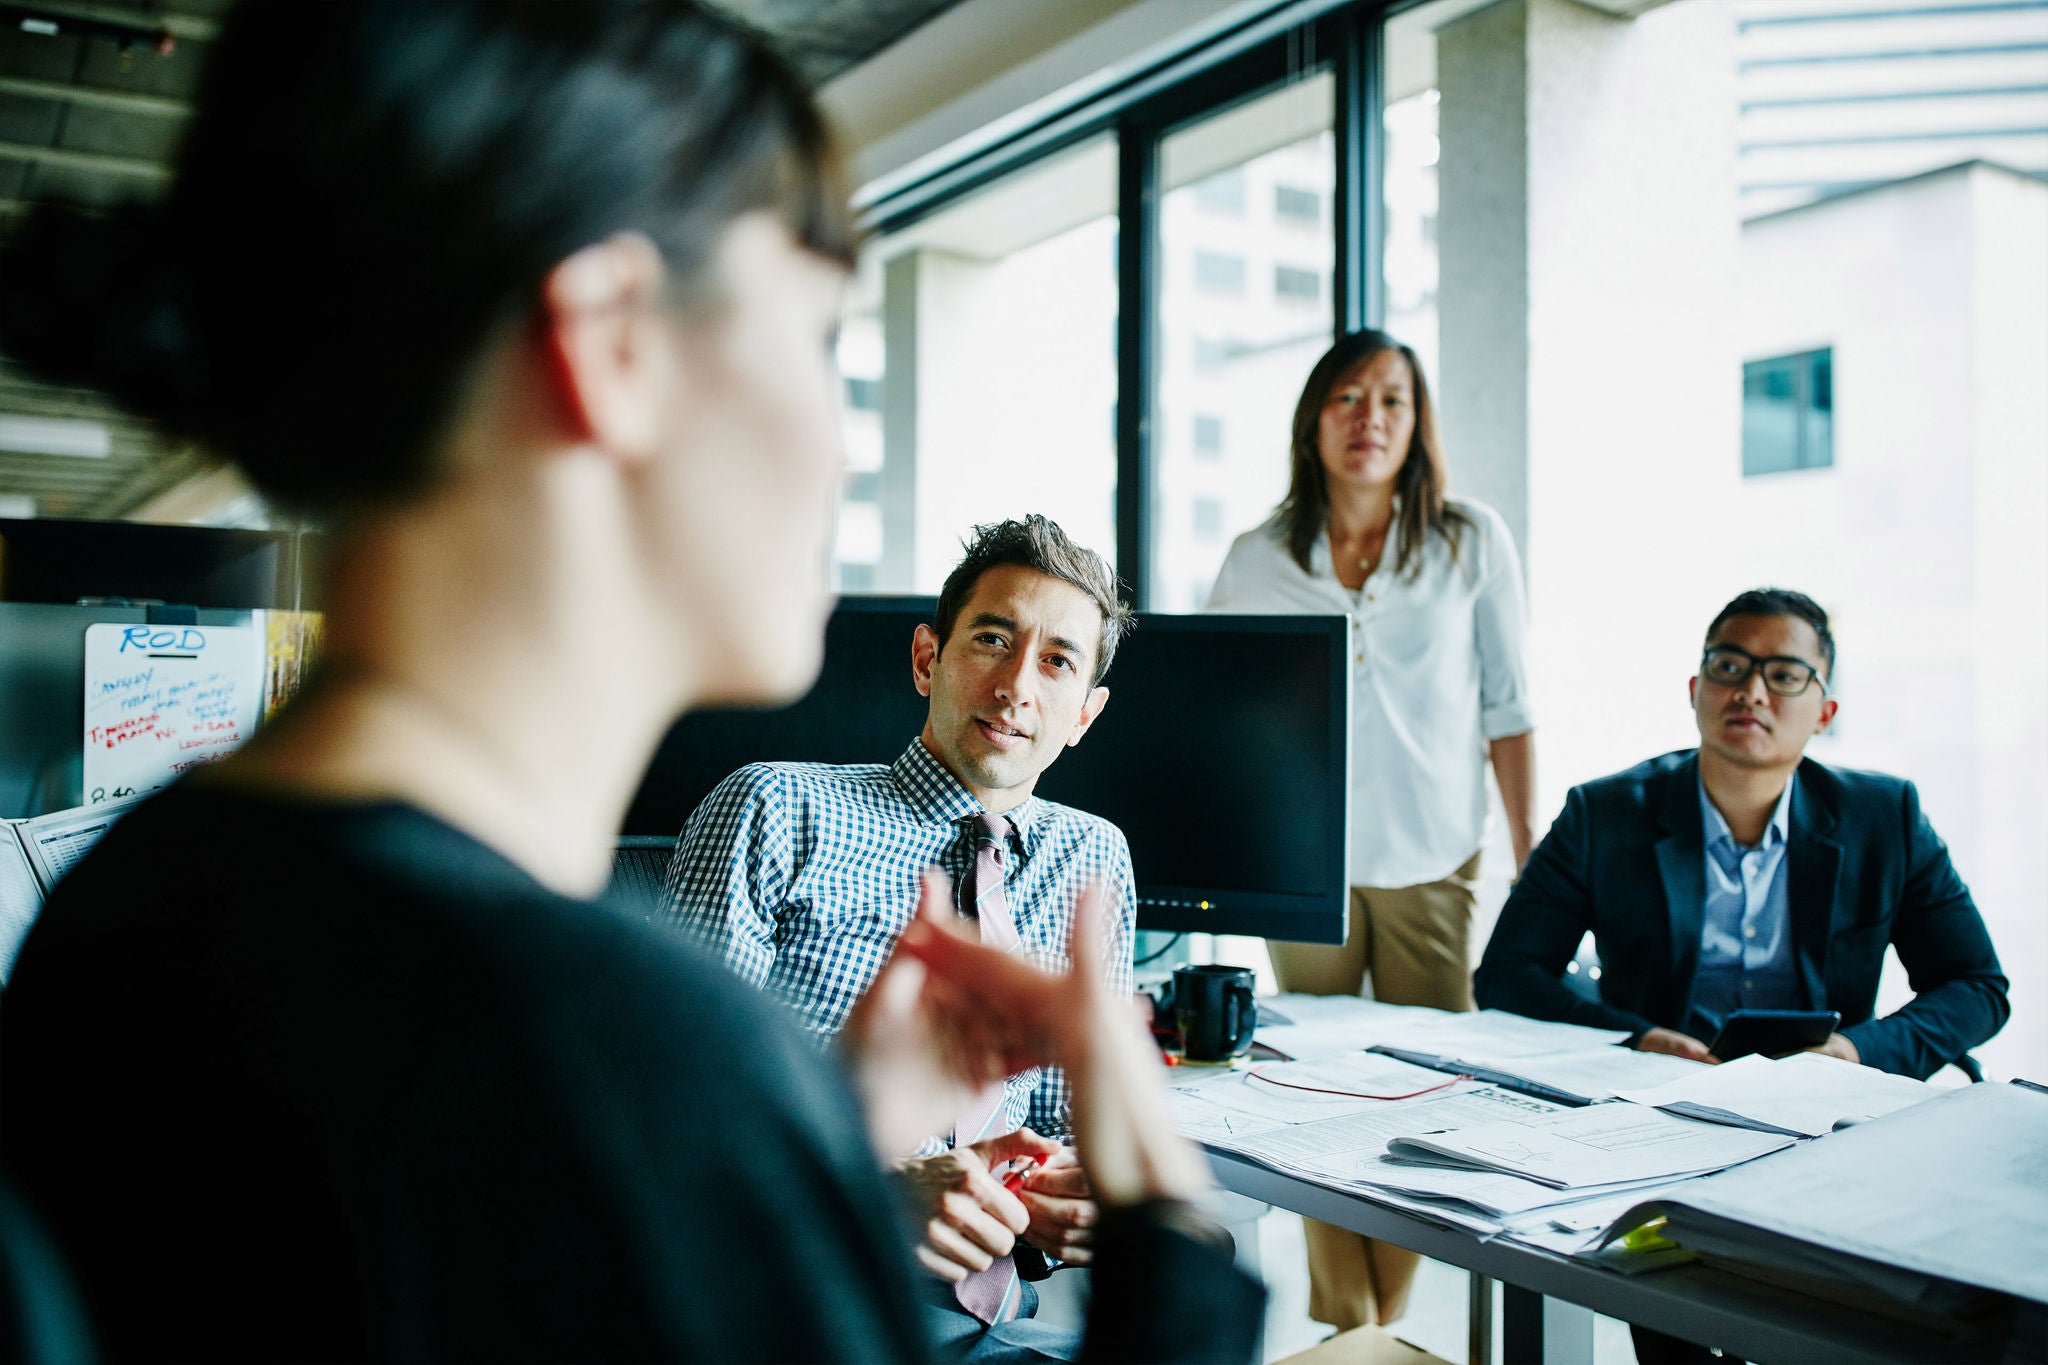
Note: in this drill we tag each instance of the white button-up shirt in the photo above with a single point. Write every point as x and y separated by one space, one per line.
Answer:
1437 672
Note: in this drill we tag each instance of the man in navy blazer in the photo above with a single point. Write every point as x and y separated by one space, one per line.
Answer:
1744 875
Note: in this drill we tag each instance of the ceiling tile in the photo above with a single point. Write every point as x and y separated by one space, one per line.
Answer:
141 71
31 121
113 132
38 57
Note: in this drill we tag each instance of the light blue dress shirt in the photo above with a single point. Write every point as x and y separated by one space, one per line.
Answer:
803 875
1746 957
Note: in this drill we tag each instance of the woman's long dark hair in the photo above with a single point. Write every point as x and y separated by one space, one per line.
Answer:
372 190
1420 484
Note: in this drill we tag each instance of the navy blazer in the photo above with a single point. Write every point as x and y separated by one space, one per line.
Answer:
1627 862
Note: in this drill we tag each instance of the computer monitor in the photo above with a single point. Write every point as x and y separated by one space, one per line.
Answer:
1224 756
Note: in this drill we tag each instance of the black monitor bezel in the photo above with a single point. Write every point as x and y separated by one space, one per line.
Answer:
1317 917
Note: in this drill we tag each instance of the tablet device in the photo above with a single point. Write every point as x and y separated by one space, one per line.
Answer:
1772 1032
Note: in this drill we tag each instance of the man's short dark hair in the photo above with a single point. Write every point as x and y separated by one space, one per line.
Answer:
1038 544
1781 602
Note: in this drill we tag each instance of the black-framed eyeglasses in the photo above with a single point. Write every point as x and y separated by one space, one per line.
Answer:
1730 666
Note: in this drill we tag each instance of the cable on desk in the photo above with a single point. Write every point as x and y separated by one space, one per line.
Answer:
1256 1074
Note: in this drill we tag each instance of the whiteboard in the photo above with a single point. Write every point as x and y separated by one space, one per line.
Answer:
162 700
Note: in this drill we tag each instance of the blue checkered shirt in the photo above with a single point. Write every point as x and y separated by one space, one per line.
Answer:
801 876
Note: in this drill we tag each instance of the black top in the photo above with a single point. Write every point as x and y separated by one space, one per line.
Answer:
314 1080
1626 861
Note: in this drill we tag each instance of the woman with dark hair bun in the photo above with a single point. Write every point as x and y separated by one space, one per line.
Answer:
337 1048
1433 588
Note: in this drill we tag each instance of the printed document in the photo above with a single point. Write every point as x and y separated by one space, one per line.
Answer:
1952 1191
1305 1028
1487 1036
1490 1191
1304 1092
1804 1095
1602 1144
1321 1148
1562 1061
20 897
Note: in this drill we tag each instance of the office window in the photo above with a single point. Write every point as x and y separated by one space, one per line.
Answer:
982 299
1292 284
1788 413
859 538
1213 353
1297 206
863 395
1222 193
1232 361
1216 273
1408 188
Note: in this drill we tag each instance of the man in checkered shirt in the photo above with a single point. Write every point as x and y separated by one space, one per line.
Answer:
802 875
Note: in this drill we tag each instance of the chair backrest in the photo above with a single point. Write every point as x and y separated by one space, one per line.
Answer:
42 1321
640 868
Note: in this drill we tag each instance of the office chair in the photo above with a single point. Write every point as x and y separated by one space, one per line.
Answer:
42 1321
640 870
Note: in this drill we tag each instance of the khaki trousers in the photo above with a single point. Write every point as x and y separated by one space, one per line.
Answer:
1414 942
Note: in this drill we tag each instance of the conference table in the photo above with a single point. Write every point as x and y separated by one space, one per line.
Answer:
1548 1301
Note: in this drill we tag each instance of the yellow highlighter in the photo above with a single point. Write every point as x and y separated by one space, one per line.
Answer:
1649 1237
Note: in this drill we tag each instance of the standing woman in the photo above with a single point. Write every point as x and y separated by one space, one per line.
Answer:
337 1048
1433 588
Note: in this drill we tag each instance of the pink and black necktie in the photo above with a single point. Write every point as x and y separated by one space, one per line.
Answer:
992 1295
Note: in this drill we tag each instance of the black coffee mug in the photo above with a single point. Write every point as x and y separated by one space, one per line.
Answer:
1215 1012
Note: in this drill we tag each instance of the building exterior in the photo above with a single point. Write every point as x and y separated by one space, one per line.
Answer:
1923 536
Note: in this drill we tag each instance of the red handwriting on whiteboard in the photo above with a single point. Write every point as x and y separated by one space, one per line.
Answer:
120 732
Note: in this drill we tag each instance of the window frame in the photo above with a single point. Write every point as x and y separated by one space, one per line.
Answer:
1261 53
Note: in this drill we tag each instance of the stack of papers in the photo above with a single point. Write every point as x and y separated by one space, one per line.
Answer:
1306 1028
1922 1210
1564 1062
34 853
1600 1145
1232 1108
1532 1149
1285 1116
1494 1035
21 898
1803 1095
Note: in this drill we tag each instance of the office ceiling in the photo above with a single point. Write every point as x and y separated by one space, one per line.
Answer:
87 118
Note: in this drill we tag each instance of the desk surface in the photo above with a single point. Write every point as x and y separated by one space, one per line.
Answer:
1744 1317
